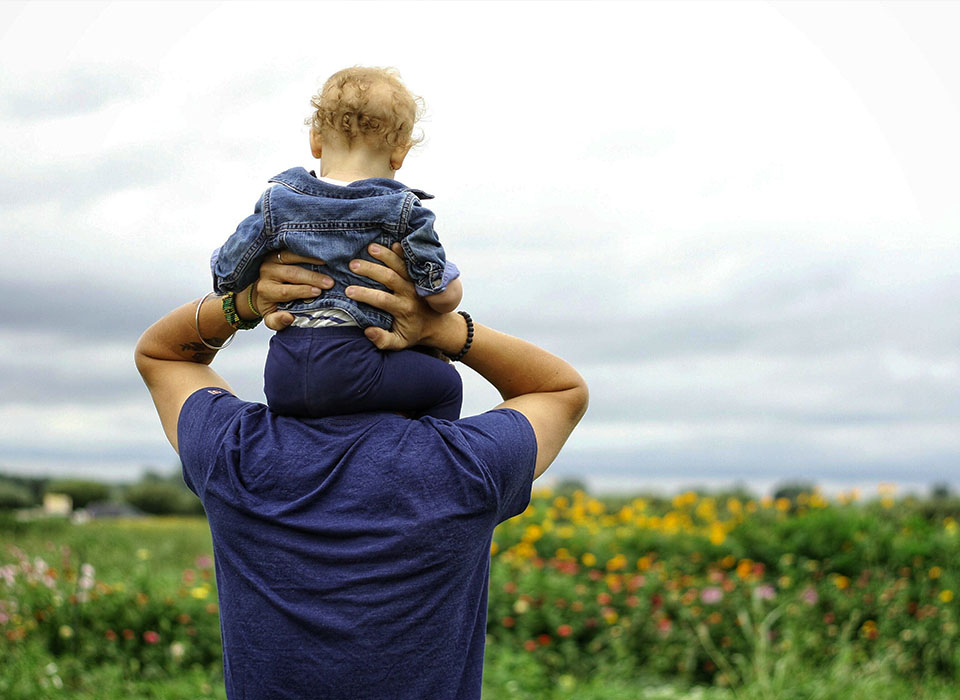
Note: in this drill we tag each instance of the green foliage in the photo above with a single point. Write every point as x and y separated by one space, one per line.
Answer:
36 486
163 498
82 492
13 496
695 597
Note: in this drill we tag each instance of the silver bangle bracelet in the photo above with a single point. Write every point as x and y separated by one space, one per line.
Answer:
196 321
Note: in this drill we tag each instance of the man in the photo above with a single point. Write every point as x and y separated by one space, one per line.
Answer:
352 552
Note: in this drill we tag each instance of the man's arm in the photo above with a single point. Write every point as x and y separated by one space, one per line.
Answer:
173 360
545 389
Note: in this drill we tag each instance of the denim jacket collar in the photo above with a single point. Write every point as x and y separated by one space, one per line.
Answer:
300 180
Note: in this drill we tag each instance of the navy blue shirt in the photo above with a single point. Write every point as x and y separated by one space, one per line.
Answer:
352 552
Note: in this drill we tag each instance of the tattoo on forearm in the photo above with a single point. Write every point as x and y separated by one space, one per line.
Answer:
201 353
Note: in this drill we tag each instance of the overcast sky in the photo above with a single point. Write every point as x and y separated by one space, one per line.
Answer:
738 221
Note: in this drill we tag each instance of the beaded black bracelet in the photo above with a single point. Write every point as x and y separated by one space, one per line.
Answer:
466 346
233 318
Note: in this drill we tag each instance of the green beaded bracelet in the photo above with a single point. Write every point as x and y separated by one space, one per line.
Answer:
233 318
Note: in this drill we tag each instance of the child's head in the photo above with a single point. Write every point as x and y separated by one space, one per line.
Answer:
366 108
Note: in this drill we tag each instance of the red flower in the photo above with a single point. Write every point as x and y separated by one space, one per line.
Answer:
510 587
128 634
632 601
544 639
564 630
604 598
111 635
530 645
508 621
151 637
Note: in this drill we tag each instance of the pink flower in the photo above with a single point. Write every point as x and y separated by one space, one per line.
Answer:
151 637
203 562
765 592
711 594
809 596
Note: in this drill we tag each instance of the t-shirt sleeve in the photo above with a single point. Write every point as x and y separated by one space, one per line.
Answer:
204 418
504 444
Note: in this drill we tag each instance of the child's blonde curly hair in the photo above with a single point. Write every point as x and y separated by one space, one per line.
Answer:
367 103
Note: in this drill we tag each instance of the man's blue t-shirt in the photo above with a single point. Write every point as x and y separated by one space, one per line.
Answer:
352 552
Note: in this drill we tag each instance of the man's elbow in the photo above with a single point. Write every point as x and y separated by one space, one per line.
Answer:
142 359
581 399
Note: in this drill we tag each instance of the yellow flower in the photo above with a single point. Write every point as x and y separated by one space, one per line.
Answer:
935 572
589 559
946 596
717 533
532 533
494 548
200 592
66 631
617 562
566 531
643 563
521 606
783 504
610 615
841 582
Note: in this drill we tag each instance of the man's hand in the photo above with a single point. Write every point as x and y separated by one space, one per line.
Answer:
286 281
413 320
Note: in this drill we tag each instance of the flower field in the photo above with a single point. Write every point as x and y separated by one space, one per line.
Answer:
718 596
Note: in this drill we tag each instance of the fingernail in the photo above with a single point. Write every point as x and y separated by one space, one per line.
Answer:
316 291
354 264
348 291
374 248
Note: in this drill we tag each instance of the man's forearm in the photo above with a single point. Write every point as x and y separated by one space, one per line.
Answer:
175 336
513 366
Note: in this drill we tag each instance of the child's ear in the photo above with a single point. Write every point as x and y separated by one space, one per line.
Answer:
316 144
397 155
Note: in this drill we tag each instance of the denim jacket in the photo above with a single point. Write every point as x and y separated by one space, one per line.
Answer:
311 217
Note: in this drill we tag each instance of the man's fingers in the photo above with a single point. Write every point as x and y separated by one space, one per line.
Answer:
289 258
380 273
375 297
273 292
391 257
384 340
278 320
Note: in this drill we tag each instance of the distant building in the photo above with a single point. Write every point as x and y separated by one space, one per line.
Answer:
57 504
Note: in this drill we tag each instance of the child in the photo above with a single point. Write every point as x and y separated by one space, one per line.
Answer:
323 364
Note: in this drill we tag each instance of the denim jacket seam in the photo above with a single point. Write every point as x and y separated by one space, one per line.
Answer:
331 225
268 223
405 212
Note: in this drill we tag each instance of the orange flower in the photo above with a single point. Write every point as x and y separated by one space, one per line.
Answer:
564 630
